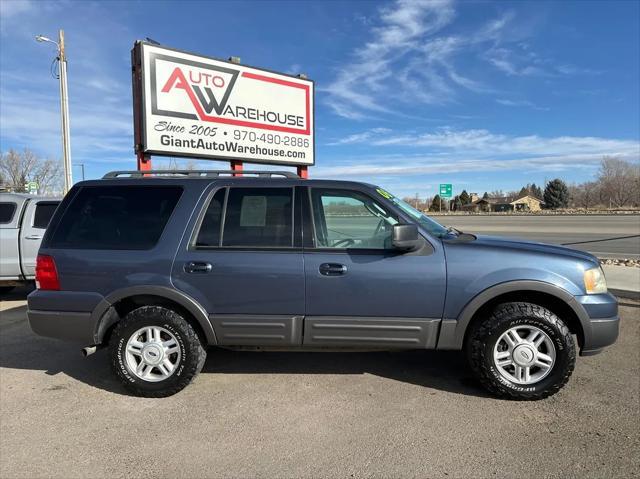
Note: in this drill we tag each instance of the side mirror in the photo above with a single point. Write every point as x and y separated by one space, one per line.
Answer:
406 238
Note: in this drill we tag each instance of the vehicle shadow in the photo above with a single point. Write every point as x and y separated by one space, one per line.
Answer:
441 370
20 348
20 293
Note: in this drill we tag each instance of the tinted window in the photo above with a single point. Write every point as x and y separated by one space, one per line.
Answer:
209 234
116 217
349 219
43 214
259 217
7 210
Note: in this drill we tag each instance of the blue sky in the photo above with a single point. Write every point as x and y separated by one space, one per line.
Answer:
484 95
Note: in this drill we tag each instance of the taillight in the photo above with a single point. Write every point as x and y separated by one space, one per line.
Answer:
46 273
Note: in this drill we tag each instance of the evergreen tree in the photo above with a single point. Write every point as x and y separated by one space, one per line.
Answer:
435 204
536 191
524 191
485 196
556 194
465 199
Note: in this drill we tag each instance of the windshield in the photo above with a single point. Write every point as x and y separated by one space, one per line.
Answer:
432 226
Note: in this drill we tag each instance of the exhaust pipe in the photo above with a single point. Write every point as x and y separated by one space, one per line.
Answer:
89 350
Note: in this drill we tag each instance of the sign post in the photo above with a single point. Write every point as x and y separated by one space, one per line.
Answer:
192 106
446 191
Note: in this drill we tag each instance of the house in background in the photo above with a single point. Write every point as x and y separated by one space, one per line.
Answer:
527 203
504 204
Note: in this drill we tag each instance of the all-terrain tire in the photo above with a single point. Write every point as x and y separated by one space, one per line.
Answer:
192 352
483 337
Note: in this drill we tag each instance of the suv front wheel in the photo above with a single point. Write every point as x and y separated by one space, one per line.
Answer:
155 352
522 351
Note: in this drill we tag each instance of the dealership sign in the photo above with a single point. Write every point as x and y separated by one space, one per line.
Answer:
193 106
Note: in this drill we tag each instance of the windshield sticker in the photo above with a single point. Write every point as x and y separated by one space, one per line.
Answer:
384 194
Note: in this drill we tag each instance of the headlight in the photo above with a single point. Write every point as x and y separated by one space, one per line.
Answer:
594 282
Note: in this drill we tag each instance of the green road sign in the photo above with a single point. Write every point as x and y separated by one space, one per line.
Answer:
32 187
446 190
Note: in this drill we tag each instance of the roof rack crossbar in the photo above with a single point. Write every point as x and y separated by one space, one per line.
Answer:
198 173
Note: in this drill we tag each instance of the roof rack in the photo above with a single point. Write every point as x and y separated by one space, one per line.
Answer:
198 173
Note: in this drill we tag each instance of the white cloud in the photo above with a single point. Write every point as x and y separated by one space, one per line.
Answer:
12 8
521 63
99 88
359 88
360 137
447 150
520 103
415 54
408 62
432 165
33 120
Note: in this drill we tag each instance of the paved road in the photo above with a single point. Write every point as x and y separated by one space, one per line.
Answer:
411 414
559 229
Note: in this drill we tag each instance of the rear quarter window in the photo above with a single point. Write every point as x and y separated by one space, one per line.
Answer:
44 212
7 210
116 217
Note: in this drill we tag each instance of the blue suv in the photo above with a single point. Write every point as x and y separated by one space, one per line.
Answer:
159 266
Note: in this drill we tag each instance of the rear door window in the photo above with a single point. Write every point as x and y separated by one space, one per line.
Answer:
116 217
44 212
259 217
7 210
209 234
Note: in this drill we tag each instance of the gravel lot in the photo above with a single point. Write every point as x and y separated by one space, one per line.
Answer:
411 414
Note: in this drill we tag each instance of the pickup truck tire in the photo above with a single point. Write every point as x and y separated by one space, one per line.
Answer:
521 351
155 352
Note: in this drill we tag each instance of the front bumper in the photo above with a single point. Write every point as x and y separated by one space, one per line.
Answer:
600 322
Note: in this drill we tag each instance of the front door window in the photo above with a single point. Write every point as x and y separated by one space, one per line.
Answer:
350 219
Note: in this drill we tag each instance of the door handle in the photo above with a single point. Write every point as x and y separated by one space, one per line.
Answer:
332 269
198 267
33 237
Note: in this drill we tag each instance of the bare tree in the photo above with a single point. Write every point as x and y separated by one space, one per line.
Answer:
173 164
19 168
619 182
585 195
49 177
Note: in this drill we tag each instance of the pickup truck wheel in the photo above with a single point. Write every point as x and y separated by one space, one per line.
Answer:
522 351
155 352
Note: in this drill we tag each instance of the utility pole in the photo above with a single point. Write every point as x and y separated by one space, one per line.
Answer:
64 107
64 113
81 165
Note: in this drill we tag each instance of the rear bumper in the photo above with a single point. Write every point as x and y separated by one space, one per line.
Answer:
65 315
600 322
68 325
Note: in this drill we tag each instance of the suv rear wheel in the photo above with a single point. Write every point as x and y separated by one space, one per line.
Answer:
522 351
155 352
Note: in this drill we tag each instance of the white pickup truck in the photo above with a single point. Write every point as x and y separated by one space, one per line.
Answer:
23 220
